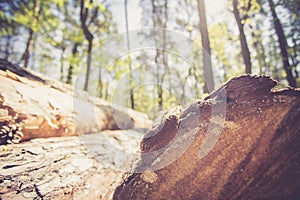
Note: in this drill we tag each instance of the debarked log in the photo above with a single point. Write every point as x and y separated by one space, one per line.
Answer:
34 106
86 167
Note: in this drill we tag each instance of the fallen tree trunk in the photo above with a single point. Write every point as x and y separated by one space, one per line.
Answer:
86 167
241 142
32 106
76 167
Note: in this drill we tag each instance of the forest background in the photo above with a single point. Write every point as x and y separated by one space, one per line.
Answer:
90 44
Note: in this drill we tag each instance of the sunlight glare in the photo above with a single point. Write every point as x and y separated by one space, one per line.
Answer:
215 6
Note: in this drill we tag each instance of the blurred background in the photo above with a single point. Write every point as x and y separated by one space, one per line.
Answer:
64 39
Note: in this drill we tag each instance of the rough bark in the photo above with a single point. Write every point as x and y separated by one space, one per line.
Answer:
54 109
89 167
243 40
241 142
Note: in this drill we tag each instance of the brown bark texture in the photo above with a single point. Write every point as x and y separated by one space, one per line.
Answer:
39 107
241 142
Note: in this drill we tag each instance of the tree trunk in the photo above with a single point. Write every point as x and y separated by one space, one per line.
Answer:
85 167
243 41
100 84
295 53
283 46
160 18
259 48
62 64
241 142
295 60
207 66
36 12
89 61
70 74
7 46
129 58
84 12
71 67
28 49
50 108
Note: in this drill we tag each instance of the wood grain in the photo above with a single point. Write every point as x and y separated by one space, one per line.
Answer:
256 156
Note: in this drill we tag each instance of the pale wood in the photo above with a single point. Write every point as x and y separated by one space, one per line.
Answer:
49 108
85 167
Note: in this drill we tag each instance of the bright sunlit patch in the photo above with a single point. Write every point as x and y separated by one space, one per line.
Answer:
215 6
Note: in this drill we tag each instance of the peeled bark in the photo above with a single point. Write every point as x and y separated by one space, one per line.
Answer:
46 108
86 167
241 142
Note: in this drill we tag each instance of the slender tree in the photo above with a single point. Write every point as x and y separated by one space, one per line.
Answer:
6 46
84 15
283 45
207 66
243 40
71 37
129 58
258 46
31 29
72 63
160 18
293 6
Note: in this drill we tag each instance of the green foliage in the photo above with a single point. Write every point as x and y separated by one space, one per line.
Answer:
220 43
248 7
60 3
56 26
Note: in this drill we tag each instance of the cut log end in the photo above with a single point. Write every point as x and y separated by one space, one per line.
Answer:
249 152
244 88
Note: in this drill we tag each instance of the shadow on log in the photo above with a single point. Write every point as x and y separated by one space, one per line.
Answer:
5 65
241 142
